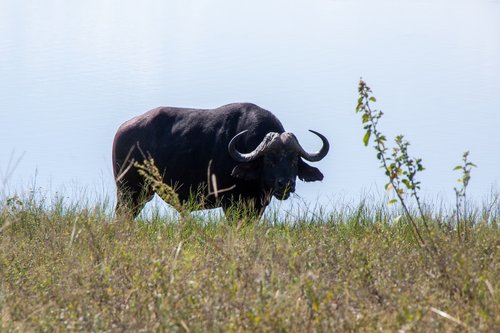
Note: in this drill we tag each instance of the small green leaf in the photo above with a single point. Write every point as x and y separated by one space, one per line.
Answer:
372 99
392 201
366 138
458 167
360 104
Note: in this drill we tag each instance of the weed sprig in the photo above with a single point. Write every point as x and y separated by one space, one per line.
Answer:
461 196
152 175
399 167
402 170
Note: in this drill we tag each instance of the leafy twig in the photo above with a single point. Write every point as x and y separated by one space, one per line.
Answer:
400 168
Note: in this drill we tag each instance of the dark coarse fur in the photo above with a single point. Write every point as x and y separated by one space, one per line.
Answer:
183 143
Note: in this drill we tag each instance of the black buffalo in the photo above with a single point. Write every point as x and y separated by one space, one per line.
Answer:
243 145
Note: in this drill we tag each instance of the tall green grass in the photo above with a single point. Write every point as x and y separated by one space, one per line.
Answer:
72 267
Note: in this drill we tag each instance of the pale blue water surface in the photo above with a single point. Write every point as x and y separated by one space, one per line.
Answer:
72 71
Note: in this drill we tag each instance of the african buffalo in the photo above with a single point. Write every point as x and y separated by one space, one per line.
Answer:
243 145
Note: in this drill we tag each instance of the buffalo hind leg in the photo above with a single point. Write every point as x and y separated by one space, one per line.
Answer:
129 203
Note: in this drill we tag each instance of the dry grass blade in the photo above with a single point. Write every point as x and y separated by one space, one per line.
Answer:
126 166
73 234
11 167
177 251
213 187
5 226
490 287
451 318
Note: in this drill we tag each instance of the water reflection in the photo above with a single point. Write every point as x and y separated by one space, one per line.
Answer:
72 72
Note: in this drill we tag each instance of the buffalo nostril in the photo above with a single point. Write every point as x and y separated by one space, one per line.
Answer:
287 184
282 183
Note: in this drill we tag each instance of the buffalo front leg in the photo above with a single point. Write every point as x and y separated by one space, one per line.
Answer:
249 210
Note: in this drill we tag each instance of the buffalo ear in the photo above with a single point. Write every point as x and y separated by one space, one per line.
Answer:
245 171
308 173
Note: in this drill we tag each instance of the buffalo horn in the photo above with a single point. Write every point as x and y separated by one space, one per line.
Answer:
317 156
248 157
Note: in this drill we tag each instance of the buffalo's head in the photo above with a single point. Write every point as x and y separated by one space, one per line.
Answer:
277 161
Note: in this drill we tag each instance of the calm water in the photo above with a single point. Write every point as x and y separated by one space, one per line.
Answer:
72 72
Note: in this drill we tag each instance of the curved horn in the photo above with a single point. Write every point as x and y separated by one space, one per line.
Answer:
248 157
319 155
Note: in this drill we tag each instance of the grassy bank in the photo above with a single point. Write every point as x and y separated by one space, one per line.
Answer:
72 268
